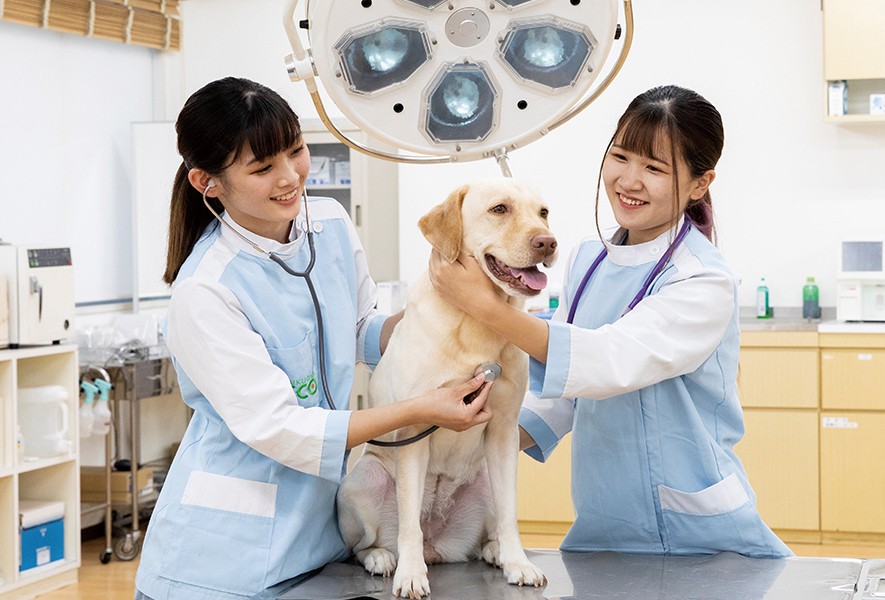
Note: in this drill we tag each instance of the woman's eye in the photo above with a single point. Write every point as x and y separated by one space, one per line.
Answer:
618 156
500 209
263 169
297 150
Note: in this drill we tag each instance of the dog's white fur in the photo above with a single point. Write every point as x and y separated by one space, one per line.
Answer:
454 495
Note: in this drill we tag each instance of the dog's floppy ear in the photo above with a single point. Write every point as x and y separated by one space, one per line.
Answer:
442 225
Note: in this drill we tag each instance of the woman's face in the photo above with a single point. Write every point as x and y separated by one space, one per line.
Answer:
640 190
265 196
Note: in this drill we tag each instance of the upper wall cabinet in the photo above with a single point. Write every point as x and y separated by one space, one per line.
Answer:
854 59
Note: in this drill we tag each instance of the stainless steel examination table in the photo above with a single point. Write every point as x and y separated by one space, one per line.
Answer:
612 576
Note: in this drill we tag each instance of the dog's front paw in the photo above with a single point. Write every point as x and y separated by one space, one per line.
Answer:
491 553
377 561
411 582
524 573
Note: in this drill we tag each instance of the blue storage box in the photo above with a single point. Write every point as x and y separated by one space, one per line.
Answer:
42 533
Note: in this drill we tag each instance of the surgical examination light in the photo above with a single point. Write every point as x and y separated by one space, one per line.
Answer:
455 80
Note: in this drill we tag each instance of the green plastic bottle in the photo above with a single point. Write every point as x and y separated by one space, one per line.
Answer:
762 309
810 300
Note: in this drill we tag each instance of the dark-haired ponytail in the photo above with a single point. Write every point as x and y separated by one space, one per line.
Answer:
700 213
188 218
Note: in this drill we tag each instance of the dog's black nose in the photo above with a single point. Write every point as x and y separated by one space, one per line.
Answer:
544 243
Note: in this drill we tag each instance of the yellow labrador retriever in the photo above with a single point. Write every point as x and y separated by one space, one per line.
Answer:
451 497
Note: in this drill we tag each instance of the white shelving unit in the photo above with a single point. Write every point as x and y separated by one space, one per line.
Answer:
54 479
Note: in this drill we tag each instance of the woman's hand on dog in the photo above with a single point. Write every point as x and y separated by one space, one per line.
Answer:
463 284
445 406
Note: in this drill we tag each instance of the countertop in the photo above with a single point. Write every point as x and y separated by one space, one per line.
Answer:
789 318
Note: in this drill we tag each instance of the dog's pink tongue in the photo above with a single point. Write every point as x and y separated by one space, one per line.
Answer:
532 277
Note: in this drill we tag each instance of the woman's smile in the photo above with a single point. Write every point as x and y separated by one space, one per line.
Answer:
631 202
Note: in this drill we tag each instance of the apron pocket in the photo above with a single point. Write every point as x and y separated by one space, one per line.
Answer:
224 530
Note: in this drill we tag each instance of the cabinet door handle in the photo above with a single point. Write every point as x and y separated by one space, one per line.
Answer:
358 215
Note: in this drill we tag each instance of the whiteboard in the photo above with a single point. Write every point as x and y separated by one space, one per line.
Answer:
156 161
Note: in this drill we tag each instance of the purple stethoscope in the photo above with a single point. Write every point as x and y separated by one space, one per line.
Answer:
659 267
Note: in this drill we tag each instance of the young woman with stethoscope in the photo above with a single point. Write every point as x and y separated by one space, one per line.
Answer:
249 500
640 360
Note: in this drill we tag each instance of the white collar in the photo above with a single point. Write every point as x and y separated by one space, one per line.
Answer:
640 254
288 249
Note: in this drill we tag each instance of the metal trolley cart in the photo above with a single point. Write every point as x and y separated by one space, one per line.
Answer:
136 379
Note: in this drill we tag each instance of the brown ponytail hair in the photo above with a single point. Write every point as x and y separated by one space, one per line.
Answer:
217 121
694 129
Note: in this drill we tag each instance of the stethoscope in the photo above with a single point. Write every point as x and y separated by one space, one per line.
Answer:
490 371
657 270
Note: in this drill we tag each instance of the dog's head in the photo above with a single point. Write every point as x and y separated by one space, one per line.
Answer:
503 223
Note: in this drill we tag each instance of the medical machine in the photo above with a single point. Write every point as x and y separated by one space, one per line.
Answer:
860 284
41 294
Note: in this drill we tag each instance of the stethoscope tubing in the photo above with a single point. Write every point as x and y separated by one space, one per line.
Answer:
657 270
316 307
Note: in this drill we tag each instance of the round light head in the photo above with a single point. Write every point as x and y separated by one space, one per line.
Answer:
466 81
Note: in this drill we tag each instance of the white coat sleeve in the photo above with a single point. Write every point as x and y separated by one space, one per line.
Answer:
547 420
669 333
213 342
369 319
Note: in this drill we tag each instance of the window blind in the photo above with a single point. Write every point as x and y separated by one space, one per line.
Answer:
151 23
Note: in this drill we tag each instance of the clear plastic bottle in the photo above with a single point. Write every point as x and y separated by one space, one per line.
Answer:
810 300
87 416
763 310
102 424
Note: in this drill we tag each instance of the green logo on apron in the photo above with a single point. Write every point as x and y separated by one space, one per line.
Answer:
306 386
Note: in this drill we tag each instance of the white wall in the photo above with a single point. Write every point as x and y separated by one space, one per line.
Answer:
65 109
790 186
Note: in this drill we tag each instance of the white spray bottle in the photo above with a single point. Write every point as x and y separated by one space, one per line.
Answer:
102 424
87 418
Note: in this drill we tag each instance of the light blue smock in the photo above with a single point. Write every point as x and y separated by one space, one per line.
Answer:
249 500
651 401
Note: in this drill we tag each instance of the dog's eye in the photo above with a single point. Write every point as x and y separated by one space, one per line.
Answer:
544 213
500 209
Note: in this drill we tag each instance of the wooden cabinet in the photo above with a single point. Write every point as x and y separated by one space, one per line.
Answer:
852 459
544 500
779 370
854 52
853 371
780 453
778 383
852 440
39 477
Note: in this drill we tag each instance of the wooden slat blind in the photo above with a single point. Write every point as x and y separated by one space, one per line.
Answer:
151 23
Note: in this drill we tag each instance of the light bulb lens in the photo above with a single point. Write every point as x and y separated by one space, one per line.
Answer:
461 97
551 54
543 47
461 104
384 51
381 55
